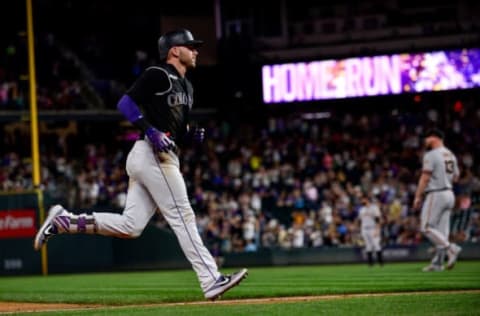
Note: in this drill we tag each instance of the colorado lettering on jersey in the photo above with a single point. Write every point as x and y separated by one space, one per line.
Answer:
179 98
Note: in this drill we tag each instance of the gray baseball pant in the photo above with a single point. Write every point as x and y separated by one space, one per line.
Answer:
435 217
159 186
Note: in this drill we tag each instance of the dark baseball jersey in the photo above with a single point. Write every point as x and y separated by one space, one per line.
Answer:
165 99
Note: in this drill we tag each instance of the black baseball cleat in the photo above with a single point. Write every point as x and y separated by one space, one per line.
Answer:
433 268
453 252
48 229
225 283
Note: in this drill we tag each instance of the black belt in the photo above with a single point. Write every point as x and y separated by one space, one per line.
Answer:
438 190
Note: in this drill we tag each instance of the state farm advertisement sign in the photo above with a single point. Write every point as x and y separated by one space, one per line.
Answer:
17 223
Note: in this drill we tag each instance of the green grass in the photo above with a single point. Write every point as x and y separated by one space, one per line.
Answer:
178 286
438 305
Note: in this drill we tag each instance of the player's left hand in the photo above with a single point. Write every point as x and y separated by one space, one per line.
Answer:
199 134
417 202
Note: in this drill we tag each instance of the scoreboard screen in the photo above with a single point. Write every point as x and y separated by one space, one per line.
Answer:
371 76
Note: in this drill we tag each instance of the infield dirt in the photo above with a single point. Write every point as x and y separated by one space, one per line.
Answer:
23 307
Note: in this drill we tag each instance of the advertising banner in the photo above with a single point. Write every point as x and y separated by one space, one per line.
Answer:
18 223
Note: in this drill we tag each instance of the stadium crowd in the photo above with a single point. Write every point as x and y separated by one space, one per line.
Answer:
59 81
283 182
286 183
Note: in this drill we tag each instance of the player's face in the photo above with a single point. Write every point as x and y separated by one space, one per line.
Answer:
188 56
429 142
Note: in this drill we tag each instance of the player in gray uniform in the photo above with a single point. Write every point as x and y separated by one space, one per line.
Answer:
439 171
158 103
370 223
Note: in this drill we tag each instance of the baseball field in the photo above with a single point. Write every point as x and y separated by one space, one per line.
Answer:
395 289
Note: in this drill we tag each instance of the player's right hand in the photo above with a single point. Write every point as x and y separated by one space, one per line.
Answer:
199 134
159 140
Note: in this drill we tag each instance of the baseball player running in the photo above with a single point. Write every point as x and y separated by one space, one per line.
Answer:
370 217
158 103
439 171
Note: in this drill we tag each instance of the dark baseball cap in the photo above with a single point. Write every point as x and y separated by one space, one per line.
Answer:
365 195
180 37
434 132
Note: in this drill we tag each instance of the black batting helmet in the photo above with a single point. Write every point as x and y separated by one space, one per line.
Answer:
181 37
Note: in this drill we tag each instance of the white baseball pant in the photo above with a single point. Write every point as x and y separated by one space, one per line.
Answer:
371 237
153 186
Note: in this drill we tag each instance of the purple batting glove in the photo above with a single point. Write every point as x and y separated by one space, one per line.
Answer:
199 134
159 140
